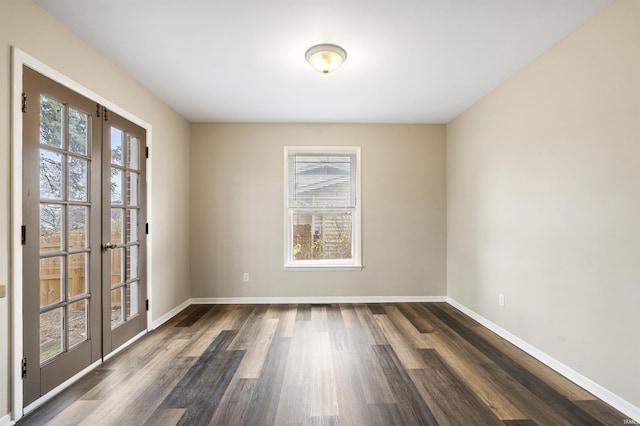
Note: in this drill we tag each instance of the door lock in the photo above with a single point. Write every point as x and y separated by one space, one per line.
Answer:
109 246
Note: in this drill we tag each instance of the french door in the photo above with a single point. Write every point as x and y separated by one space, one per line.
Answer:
84 247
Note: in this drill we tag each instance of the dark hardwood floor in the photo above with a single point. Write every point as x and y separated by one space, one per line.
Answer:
337 364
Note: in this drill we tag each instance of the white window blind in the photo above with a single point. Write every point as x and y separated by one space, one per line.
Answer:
322 180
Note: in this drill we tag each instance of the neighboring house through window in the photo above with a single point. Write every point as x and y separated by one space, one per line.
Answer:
322 203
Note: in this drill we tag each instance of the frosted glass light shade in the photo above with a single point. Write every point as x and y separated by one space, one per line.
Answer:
325 58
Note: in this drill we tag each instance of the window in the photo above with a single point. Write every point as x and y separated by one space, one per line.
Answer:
322 208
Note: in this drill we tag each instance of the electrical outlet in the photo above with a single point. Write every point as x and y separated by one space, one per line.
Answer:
501 299
245 277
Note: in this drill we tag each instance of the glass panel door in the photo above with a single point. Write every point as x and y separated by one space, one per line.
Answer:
61 291
125 315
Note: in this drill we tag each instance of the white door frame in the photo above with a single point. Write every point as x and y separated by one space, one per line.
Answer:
20 59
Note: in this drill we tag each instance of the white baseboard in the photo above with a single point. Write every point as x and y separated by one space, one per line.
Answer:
602 393
6 420
172 313
338 299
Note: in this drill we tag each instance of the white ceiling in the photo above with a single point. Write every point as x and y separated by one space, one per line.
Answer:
409 61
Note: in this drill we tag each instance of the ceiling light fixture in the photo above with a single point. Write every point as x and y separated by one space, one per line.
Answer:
325 58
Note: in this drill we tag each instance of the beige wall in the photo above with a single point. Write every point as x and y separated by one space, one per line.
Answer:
237 214
543 200
26 26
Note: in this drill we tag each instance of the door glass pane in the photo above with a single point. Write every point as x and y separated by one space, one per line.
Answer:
50 175
132 189
77 274
132 225
116 266
78 131
51 280
51 121
117 136
117 219
116 186
116 307
78 179
78 227
134 152
132 299
51 227
132 262
51 329
78 314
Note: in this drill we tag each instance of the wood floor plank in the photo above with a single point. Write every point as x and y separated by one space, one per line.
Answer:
376 308
466 366
351 399
166 416
603 412
373 381
533 408
401 344
303 313
449 398
203 407
216 321
322 392
139 385
252 363
319 318
286 314
234 404
385 414
309 381
195 315
414 337
370 327
247 331
323 364
412 407
412 312
558 382
187 391
142 404
292 406
349 316
266 395
454 313
560 404
336 328
74 414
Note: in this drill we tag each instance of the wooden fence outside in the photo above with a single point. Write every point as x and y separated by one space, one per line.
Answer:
51 269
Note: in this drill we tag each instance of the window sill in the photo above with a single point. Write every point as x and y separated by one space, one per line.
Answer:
326 267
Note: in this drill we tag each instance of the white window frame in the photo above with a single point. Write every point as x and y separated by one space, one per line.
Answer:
353 264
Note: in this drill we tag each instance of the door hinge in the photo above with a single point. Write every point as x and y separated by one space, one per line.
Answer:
24 368
98 114
146 152
146 228
147 304
24 102
23 235
105 111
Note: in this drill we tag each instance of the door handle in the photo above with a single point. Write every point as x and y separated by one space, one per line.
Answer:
109 246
